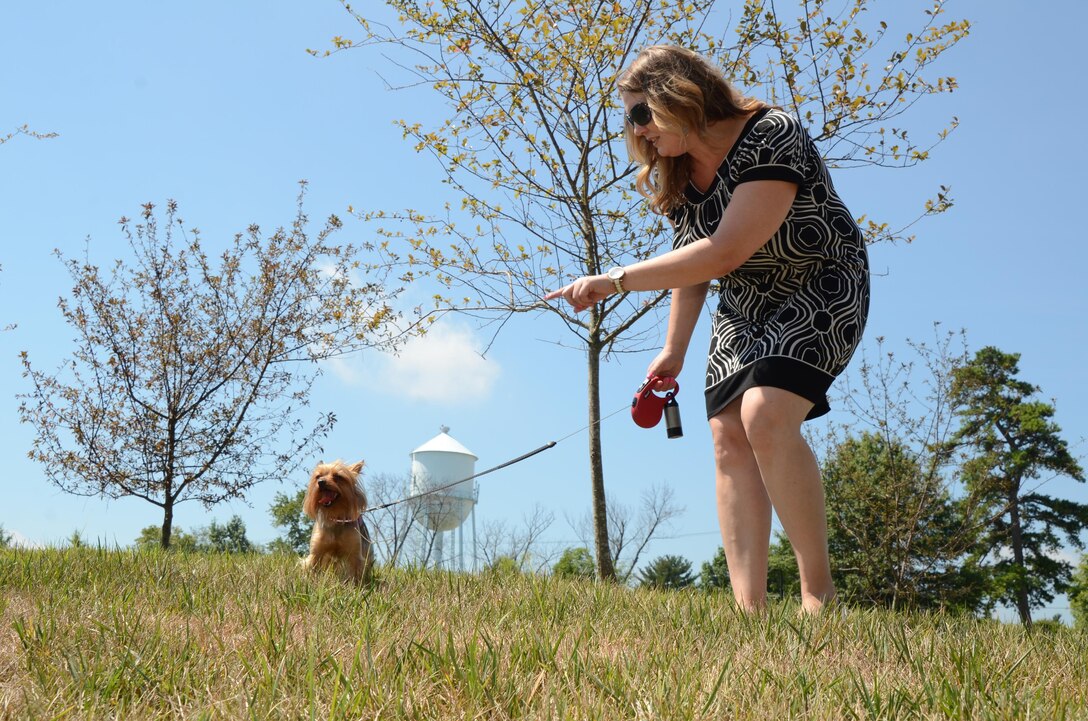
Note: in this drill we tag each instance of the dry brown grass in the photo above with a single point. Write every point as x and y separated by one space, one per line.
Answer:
121 634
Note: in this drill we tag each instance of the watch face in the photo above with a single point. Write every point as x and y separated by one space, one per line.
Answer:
616 273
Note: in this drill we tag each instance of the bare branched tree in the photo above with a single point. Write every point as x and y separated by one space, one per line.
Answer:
391 523
630 533
521 543
188 375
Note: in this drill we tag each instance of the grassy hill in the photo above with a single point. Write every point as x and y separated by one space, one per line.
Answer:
90 633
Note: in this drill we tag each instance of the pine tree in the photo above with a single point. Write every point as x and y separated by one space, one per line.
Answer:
1012 440
667 572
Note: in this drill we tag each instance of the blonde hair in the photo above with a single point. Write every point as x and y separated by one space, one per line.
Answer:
686 94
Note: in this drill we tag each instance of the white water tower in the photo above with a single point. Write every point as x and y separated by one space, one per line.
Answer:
437 464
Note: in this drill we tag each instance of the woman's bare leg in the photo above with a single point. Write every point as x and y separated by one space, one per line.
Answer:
772 423
744 510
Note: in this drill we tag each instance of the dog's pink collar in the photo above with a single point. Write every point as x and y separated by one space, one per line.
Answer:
358 522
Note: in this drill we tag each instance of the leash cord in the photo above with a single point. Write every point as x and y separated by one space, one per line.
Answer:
519 459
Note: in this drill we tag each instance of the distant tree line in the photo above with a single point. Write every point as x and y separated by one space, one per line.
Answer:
216 537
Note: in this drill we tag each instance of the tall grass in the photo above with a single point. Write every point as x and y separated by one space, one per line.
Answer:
88 633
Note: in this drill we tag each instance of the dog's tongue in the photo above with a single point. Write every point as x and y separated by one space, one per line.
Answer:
326 497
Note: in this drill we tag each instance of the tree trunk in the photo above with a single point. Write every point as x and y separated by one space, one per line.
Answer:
167 523
1016 536
605 569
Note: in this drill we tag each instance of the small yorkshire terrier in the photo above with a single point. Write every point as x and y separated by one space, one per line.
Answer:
336 501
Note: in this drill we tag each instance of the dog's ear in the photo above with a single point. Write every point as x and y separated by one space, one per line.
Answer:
357 468
309 503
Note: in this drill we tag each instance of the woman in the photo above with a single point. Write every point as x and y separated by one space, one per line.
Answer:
753 206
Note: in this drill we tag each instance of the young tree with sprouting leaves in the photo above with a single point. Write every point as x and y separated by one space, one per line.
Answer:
1014 447
532 148
189 373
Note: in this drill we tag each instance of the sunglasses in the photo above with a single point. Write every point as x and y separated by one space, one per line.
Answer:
639 114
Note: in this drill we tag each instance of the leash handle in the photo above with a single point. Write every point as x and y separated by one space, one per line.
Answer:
647 407
651 378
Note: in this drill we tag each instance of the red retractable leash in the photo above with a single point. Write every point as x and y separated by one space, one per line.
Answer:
647 407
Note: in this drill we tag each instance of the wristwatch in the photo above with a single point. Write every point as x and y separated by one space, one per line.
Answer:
616 276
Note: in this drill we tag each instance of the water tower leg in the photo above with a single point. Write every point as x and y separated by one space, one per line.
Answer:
461 547
438 549
474 550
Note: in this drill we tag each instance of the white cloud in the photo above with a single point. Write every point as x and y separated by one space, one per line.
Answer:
444 366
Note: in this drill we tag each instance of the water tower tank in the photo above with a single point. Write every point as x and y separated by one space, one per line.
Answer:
439 462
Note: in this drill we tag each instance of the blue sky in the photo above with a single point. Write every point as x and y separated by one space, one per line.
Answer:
218 106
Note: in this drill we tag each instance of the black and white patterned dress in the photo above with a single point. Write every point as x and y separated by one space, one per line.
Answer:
792 315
